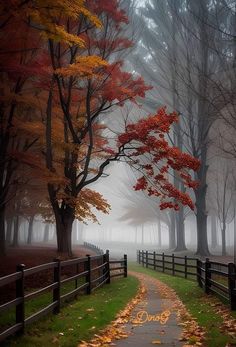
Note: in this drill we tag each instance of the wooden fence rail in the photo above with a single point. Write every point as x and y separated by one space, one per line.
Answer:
91 273
214 277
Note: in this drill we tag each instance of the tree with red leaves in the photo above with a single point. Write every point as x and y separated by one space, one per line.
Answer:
87 82
66 75
149 152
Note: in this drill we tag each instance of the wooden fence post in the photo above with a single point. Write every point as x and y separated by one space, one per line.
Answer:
173 264
125 265
142 257
232 287
199 273
154 260
207 275
104 268
163 262
139 256
146 259
57 290
88 276
185 266
20 308
107 259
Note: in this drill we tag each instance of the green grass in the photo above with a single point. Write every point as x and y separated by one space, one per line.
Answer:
7 318
76 321
193 298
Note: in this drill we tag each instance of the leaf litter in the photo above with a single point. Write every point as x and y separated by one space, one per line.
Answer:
115 330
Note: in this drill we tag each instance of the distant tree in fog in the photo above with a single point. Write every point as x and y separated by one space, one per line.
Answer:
222 197
187 52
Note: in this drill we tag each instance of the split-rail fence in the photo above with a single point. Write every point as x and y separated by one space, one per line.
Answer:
89 273
214 277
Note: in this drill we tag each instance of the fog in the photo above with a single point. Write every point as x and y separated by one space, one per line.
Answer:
123 234
186 52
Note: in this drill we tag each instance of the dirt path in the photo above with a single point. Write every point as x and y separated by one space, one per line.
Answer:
157 317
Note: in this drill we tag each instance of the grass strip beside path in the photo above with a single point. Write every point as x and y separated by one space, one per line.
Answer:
193 298
80 319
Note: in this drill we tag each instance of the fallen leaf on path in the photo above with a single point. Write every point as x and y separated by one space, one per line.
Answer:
92 328
156 342
115 331
90 310
229 322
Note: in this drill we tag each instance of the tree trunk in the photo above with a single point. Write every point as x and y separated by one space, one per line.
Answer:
15 242
202 241
30 230
25 232
64 222
172 237
64 217
159 233
2 231
223 234
80 232
201 214
180 232
46 233
203 126
234 239
74 233
64 238
9 231
214 243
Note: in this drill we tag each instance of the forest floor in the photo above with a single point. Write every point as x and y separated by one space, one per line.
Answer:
34 255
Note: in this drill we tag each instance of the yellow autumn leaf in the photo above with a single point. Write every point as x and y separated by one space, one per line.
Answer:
84 67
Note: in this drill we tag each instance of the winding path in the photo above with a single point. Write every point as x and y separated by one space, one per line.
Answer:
154 308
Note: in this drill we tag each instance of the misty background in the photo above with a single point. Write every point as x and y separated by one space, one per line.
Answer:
186 50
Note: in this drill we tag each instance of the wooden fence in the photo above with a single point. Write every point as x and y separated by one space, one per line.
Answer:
214 277
94 248
91 273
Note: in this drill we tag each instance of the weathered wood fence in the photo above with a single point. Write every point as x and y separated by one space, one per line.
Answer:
91 273
214 277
